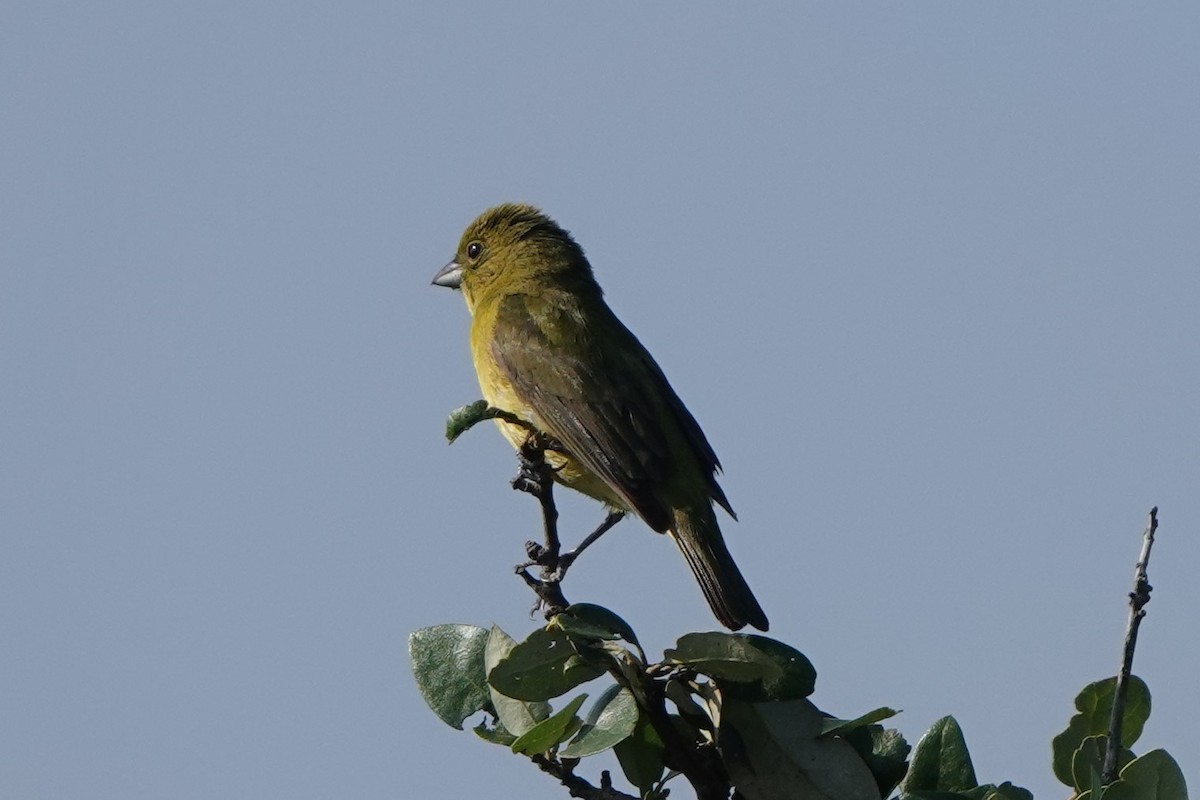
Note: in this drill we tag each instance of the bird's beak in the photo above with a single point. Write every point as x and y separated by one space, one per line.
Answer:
449 276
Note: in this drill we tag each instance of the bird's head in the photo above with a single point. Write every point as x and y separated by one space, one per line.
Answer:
515 248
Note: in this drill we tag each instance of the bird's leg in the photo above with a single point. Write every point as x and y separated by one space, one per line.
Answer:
568 558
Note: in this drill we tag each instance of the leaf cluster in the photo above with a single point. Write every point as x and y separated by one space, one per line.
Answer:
739 701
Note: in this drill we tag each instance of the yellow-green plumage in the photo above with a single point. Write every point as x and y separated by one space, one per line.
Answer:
547 348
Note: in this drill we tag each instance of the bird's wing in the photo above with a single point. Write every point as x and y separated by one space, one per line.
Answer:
593 392
701 449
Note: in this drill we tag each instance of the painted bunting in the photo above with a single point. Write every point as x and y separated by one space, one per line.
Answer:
548 349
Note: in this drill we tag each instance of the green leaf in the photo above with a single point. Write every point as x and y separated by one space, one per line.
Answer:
590 621
1094 706
1089 758
641 756
884 751
543 666
840 727
611 718
941 761
723 656
496 734
463 419
748 666
1154 776
516 716
774 750
552 731
447 661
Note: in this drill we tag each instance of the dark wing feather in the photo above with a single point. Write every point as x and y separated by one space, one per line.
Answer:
581 387
702 450
600 393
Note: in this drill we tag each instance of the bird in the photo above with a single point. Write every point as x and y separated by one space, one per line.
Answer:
548 349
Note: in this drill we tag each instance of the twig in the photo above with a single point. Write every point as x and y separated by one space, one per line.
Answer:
577 786
1138 599
541 440
536 477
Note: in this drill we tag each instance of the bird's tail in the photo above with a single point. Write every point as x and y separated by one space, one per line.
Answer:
699 538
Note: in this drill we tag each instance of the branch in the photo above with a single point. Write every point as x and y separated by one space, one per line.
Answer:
536 477
1138 599
577 786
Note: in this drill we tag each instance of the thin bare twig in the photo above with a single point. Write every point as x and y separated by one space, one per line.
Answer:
536 477
1138 599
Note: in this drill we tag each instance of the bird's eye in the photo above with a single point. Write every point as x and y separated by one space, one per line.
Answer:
473 250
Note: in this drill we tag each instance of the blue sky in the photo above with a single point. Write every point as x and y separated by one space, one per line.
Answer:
927 274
